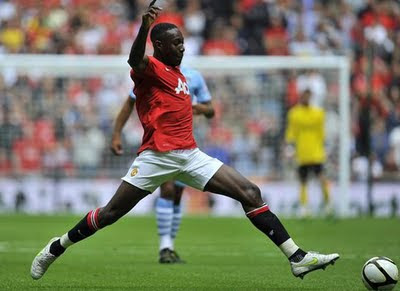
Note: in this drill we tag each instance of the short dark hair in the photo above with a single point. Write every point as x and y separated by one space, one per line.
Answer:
159 29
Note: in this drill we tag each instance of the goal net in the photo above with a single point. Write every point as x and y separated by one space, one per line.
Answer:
59 112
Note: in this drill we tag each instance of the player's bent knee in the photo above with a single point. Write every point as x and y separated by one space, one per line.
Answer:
253 196
168 191
169 195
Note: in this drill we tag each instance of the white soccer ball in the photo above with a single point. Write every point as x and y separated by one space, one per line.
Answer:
380 273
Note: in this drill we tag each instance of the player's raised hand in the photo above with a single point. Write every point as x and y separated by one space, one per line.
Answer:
116 146
151 14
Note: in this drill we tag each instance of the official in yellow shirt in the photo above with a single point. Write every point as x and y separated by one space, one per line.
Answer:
305 131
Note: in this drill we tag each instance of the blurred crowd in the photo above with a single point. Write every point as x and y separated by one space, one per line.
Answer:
60 126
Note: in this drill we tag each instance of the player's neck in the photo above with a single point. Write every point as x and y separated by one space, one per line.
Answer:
159 58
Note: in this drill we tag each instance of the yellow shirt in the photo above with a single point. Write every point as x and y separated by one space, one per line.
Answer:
306 130
12 38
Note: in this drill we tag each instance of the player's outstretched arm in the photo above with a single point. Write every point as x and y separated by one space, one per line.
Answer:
205 109
137 59
120 121
205 106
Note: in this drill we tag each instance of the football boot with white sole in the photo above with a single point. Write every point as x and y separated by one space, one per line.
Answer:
42 261
312 261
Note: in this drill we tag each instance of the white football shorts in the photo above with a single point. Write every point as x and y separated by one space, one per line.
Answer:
191 167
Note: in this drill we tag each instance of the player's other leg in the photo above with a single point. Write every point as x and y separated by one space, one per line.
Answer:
302 172
164 215
168 219
125 198
229 182
324 183
177 219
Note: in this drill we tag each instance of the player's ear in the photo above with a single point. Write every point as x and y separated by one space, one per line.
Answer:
158 44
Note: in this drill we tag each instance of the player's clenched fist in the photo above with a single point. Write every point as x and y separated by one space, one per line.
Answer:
151 14
116 145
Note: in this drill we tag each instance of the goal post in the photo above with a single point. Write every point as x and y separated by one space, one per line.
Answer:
241 67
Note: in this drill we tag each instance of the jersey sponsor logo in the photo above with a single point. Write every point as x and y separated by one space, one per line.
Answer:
182 87
134 172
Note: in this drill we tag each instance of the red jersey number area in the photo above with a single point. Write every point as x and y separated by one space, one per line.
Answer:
164 108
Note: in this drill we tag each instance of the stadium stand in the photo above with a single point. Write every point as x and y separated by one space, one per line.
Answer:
65 113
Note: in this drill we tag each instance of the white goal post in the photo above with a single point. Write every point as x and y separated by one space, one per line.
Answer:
92 65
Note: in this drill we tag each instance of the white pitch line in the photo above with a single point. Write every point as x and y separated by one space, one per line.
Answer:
7 247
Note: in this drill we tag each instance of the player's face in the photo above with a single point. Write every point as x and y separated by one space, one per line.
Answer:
173 47
305 98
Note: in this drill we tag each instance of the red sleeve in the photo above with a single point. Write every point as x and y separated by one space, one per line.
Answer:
150 71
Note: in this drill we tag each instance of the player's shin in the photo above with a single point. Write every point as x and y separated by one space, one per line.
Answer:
85 228
269 223
164 213
176 220
325 191
303 195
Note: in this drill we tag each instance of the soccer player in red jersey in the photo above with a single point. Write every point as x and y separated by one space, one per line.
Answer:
169 152
168 204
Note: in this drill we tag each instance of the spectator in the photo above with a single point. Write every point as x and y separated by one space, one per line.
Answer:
7 10
276 37
360 168
194 18
10 131
27 152
88 143
57 161
222 41
44 132
301 46
5 163
252 27
314 81
327 37
394 140
12 36
171 14
195 21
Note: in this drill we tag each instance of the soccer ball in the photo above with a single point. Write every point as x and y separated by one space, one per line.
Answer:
380 273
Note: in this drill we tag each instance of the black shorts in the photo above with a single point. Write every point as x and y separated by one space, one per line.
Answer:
304 171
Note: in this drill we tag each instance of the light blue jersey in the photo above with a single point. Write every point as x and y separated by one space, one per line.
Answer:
132 95
197 86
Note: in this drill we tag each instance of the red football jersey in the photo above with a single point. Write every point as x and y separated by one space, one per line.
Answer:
164 107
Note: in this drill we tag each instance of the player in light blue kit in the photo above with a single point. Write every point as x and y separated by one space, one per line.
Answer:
168 205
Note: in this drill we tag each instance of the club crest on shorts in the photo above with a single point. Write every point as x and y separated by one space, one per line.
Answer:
134 172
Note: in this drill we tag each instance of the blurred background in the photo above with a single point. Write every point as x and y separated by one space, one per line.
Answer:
55 130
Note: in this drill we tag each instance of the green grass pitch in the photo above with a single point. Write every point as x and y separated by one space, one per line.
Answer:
221 254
